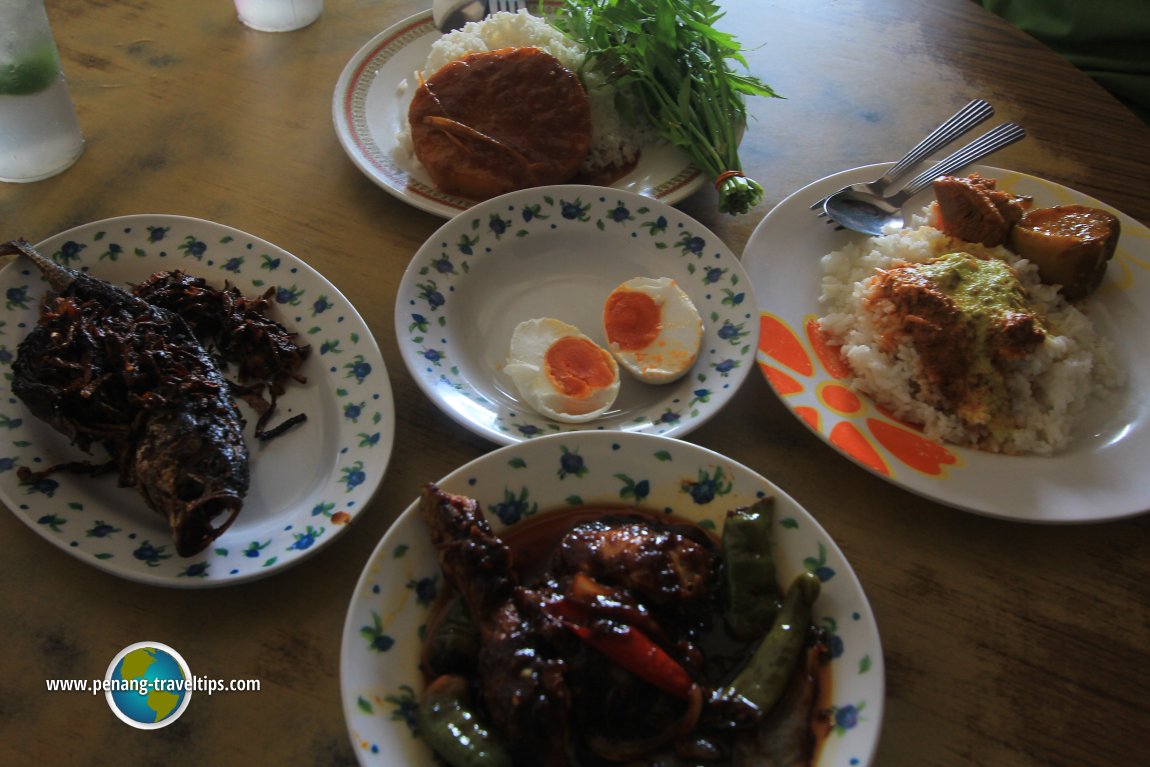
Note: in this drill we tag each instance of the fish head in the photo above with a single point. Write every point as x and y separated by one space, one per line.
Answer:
196 474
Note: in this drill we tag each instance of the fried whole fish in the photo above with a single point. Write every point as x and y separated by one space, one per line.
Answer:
240 332
104 367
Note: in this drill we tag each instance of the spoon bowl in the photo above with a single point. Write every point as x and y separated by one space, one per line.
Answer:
863 212
450 15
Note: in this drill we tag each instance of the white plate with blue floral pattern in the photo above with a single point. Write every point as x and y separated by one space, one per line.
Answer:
369 109
559 251
379 657
307 484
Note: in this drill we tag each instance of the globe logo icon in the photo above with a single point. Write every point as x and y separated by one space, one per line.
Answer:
148 685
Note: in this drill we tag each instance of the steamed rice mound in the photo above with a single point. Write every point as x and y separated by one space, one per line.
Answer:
1047 390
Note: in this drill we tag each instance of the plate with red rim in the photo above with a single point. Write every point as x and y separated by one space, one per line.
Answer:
369 109
1099 476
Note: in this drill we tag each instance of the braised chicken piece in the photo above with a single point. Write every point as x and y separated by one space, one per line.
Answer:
497 121
659 566
1070 244
521 679
973 209
966 317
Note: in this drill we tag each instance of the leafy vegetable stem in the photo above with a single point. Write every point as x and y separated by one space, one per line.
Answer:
671 64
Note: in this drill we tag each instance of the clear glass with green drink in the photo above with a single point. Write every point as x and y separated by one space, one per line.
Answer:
39 133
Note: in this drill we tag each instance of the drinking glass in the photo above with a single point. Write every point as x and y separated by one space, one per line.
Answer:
39 133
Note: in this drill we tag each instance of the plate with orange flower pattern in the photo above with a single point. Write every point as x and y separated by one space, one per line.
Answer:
1098 476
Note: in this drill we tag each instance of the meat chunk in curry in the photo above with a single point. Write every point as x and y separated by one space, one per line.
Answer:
1070 244
973 209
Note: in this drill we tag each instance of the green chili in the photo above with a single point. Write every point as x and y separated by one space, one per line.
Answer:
452 643
447 722
762 682
751 597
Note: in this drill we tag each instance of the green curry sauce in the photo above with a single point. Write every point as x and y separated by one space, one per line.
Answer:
982 289
986 293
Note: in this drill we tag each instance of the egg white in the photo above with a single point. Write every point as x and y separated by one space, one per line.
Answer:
526 367
676 347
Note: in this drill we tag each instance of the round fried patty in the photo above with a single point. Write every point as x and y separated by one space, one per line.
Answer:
493 122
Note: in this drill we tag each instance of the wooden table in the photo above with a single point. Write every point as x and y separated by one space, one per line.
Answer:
1005 643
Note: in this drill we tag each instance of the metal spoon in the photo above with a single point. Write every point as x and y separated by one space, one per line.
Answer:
453 14
869 214
955 126
449 15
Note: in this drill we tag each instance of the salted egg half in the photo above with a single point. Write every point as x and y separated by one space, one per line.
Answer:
653 329
560 372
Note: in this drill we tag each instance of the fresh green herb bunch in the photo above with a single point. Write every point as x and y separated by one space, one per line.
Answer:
672 67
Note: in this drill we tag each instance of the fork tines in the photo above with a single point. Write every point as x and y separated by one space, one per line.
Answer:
510 6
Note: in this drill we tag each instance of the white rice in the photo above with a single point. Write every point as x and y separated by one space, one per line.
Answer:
613 141
1048 390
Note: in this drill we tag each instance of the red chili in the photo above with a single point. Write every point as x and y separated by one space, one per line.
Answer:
626 646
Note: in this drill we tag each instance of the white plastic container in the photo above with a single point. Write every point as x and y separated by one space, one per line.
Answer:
278 15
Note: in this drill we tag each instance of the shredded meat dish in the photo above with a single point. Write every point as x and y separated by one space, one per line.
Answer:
967 318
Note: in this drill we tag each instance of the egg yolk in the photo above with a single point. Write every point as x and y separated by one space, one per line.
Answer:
632 320
577 367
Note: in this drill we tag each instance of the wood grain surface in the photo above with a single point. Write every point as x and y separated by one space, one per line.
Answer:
1005 643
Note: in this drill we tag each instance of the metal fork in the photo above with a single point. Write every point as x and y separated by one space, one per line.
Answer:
957 125
869 216
510 6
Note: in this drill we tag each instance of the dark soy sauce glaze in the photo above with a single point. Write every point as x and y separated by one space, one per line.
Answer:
533 543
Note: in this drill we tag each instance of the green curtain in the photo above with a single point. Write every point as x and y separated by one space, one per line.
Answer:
1107 39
